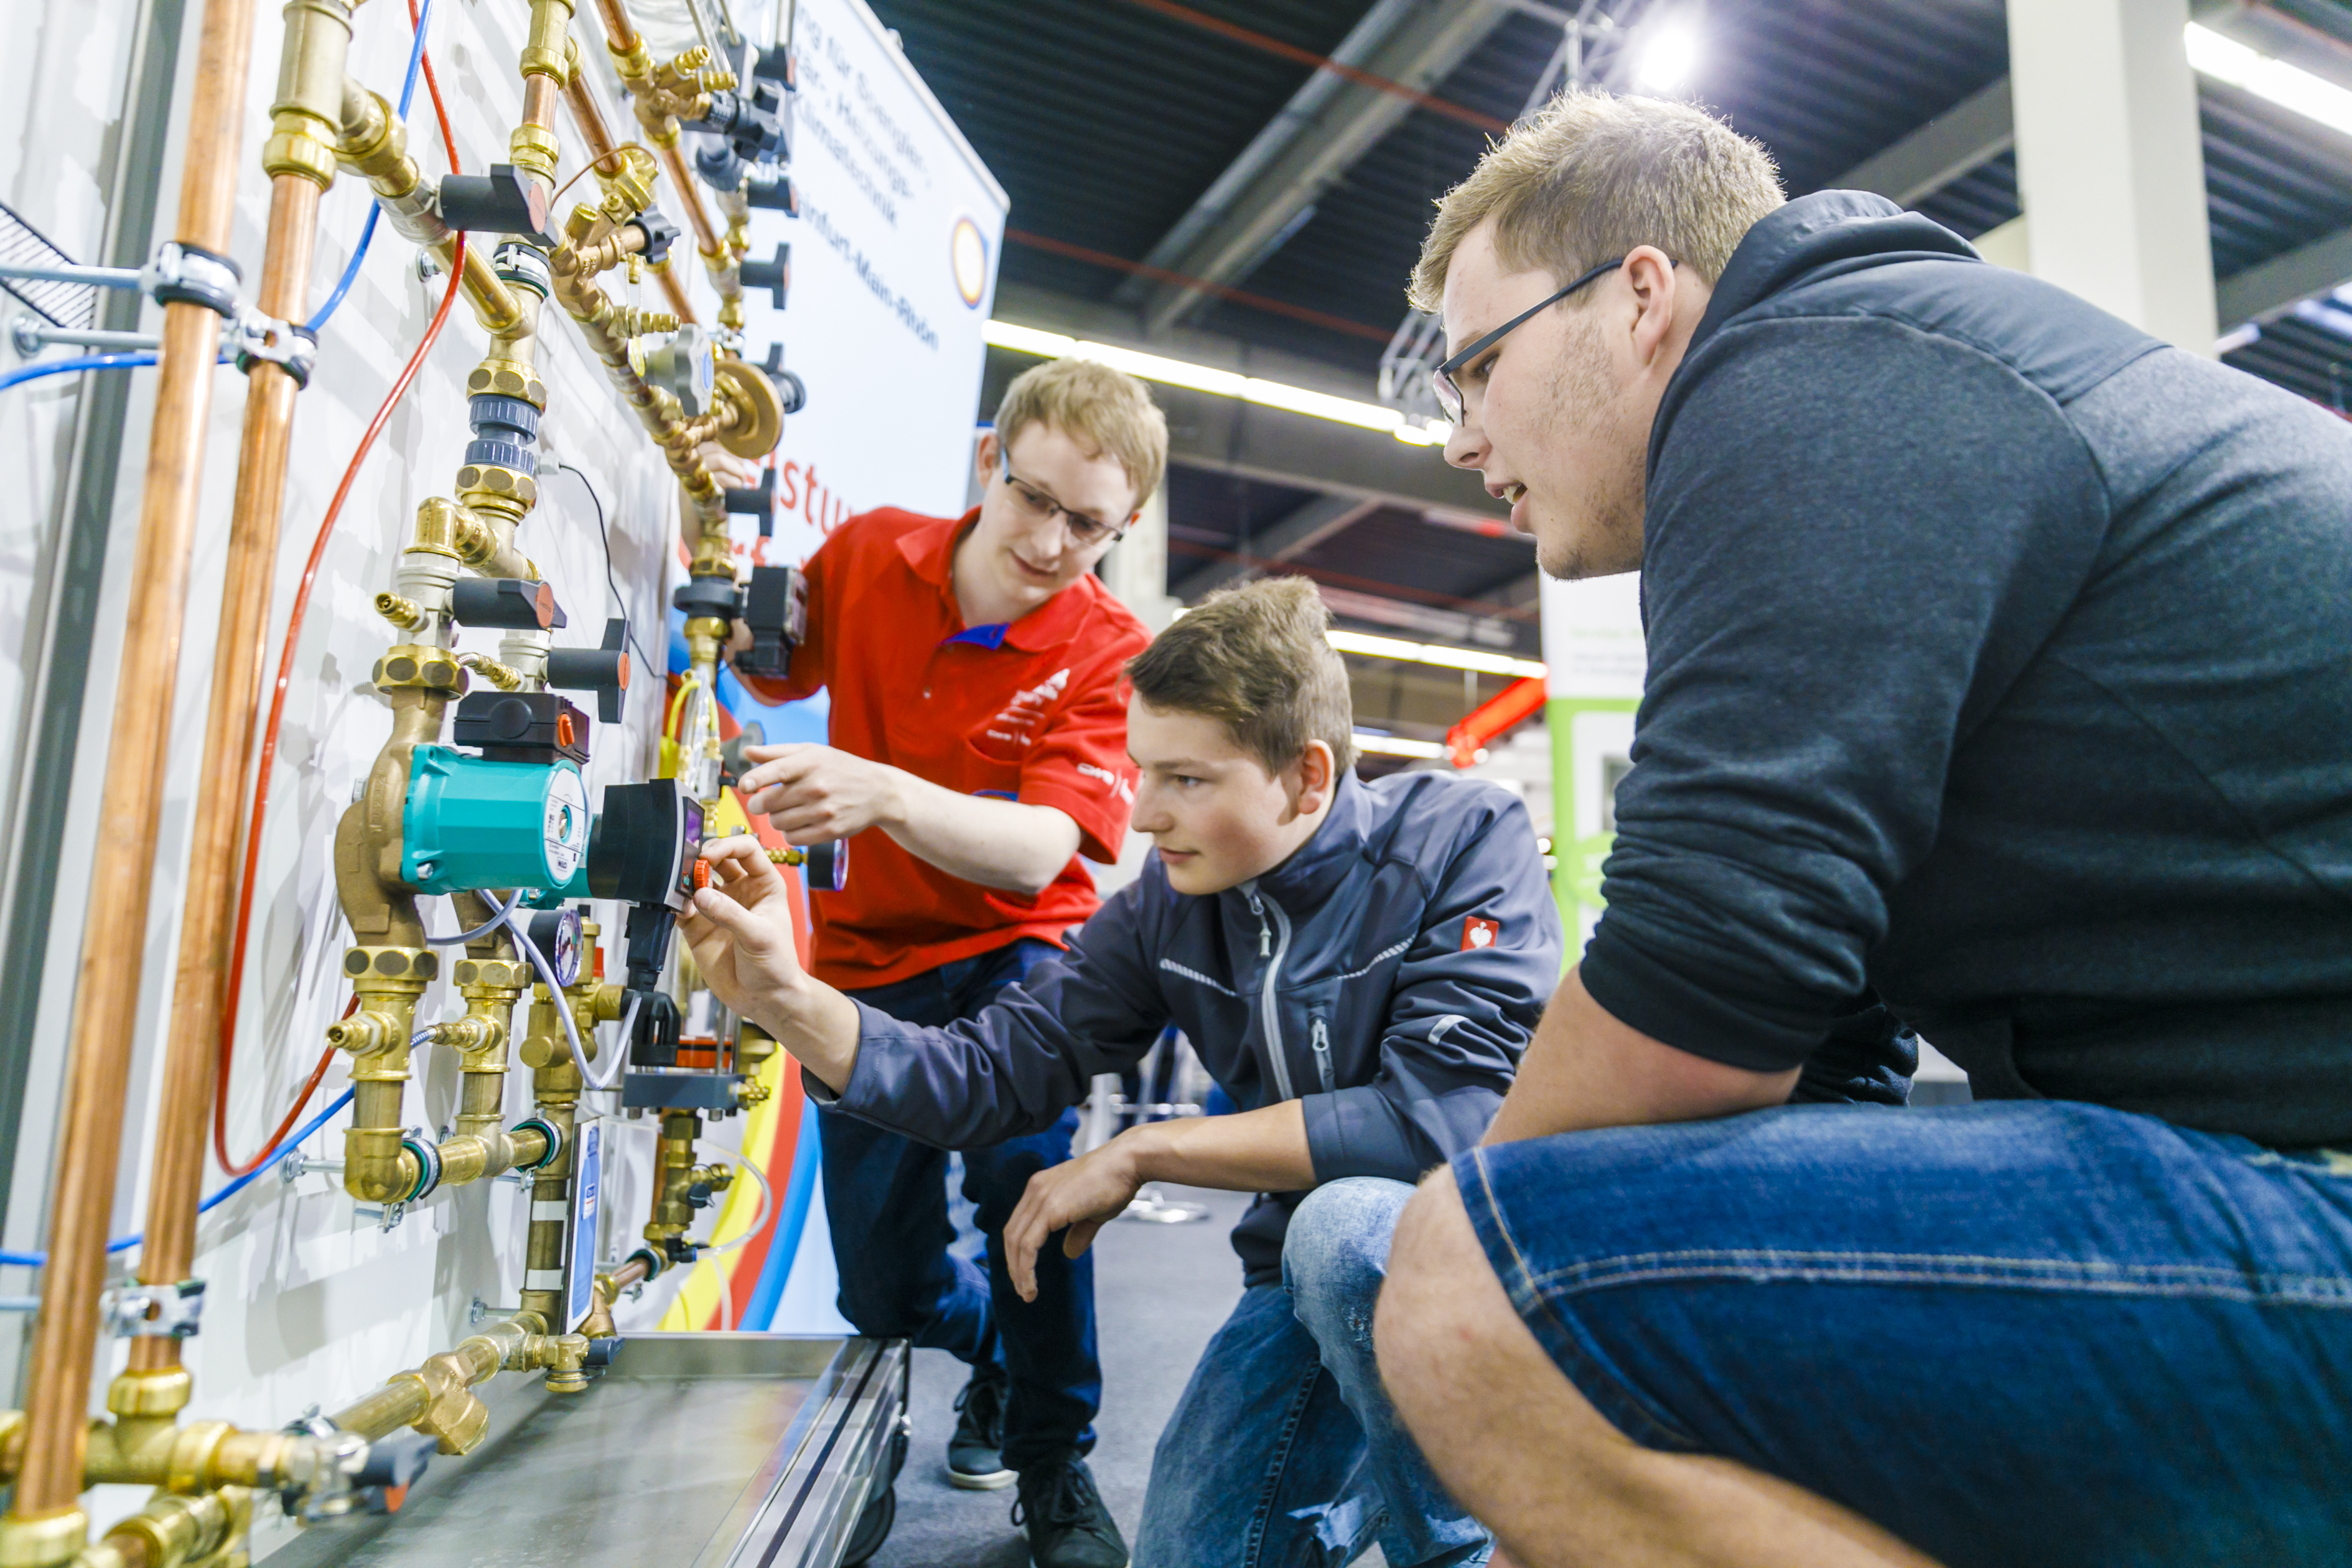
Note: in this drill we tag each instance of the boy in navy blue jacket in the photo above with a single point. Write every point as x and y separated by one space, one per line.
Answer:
1358 965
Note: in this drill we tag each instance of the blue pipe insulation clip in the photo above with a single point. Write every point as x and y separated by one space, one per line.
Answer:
471 823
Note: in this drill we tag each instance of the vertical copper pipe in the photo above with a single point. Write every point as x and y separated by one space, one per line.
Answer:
675 287
191 1059
106 998
593 132
690 196
539 95
620 33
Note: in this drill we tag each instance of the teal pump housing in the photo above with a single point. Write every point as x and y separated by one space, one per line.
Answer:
474 824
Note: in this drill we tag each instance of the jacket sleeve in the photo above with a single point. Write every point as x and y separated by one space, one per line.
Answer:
1834 594
1464 1002
1026 1058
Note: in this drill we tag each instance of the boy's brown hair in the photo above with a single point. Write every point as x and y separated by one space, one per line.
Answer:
1096 406
1595 175
1256 660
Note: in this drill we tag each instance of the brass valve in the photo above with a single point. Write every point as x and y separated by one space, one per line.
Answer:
750 1092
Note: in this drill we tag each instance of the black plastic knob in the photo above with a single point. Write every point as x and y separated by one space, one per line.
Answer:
504 201
512 602
758 501
777 195
775 276
660 232
603 670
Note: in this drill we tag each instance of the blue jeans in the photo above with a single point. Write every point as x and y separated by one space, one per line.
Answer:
2022 1332
1284 1449
885 1200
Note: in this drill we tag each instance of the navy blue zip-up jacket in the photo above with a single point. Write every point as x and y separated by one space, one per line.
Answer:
1387 975
2000 664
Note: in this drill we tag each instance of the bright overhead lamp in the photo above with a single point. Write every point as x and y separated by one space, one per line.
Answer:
1203 378
2289 87
1397 746
1431 653
1669 58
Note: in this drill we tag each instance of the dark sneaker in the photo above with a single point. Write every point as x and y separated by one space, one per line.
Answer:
1069 1525
973 1461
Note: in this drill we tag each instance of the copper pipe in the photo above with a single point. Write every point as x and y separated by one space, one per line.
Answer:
682 177
539 101
672 286
620 33
192 1055
44 1514
589 117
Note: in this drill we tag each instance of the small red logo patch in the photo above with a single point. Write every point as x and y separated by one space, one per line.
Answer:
1477 933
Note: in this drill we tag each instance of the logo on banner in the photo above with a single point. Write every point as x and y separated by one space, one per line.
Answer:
968 254
1477 933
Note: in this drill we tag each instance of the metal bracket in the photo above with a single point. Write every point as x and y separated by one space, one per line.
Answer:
387 1218
183 274
252 336
153 1311
479 1311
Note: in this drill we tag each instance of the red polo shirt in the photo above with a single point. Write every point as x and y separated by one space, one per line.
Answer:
1033 711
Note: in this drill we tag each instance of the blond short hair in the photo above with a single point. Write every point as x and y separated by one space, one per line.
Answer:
1595 175
1256 660
1097 407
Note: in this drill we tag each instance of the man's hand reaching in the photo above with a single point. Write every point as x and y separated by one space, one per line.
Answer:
740 929
1080 1197
812 792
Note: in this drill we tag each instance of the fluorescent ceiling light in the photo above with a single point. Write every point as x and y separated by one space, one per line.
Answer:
1218 383
1669 57
1431 653
1396 746
2290 87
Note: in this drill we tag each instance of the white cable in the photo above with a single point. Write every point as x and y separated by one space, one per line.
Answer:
759 1217
555 994
620 1051
502 918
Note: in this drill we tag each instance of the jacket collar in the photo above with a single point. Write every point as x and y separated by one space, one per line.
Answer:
930 552
1315 868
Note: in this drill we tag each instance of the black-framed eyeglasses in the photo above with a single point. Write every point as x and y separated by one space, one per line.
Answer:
1086 531
1441 380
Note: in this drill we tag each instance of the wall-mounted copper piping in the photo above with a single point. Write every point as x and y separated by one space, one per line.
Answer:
300 158
45 1523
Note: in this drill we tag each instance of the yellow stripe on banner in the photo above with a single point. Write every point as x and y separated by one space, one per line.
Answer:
695 1305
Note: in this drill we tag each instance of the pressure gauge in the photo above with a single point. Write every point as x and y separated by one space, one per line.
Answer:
556 934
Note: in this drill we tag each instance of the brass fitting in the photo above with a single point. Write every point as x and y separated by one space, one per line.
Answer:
406 613
750 1092
172 1530
438 1397
753 1047
470 1033
488 487
508 378
417 666
306 118
443 527
674 1173
42 1541
504 676
758 421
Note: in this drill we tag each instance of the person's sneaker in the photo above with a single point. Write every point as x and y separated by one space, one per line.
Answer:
1069 1525
973 1461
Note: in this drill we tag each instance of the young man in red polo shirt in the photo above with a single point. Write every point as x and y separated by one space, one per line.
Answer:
978 722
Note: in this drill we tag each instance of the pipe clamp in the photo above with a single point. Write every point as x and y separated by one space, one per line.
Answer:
254 337
191 275
153 1311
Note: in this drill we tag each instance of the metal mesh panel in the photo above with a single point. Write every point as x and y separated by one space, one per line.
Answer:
62 304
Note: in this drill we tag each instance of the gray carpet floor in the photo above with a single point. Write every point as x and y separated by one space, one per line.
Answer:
1160 1291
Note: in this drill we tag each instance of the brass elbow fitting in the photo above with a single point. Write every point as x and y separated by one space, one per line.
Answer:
306 119
445 528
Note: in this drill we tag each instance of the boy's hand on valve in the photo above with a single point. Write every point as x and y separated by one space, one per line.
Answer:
812 792
1079 1196
740 931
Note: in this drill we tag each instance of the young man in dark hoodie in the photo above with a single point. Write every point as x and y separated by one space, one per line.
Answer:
1999 673
1358 965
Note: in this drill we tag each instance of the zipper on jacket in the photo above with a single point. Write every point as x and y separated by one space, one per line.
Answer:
1273 945
1321 1040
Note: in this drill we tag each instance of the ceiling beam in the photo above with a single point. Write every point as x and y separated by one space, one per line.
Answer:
1299 533
1972 133
1328 124
2277 285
